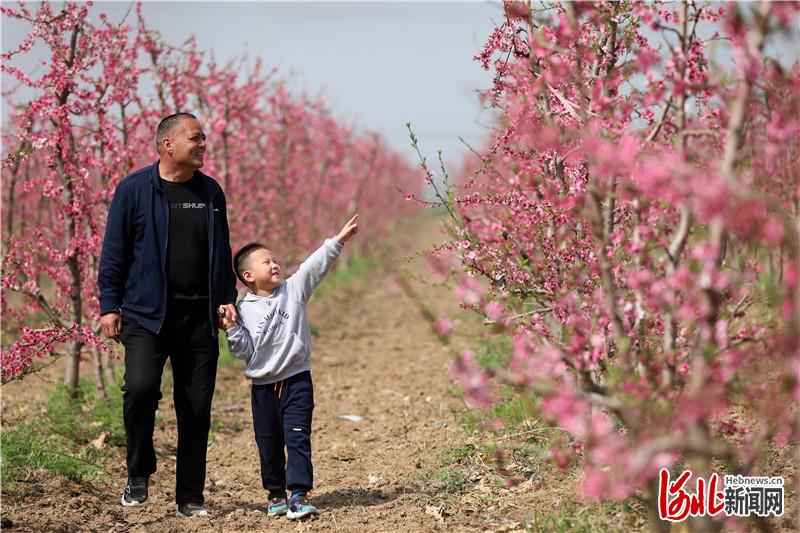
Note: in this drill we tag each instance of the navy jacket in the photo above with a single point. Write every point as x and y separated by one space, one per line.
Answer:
132 275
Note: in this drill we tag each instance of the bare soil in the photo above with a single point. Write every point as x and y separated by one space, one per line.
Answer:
375 357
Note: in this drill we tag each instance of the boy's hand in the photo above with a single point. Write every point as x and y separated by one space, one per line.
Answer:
227 316
349 229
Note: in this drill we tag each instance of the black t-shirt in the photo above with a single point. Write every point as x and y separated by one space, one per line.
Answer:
187 248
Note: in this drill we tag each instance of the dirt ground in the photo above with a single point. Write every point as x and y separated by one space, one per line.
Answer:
376 357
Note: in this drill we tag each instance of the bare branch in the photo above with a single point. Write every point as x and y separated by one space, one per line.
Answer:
660 123
40 299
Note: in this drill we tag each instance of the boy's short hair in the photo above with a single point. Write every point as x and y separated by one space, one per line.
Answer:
241 257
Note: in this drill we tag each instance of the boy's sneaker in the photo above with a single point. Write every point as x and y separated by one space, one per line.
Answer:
277 507
189 510
135 492
300 508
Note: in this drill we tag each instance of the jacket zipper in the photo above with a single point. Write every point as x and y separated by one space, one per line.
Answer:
210 222
164 260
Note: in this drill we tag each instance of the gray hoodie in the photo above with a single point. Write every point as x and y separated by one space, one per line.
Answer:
272 332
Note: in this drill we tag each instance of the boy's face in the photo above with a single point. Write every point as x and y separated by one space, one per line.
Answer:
263 270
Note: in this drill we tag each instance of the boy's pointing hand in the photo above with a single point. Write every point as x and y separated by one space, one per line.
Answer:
349 229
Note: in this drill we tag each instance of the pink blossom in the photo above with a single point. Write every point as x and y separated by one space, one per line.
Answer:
493 310
617 300
73 150
469 290
474 380
443 326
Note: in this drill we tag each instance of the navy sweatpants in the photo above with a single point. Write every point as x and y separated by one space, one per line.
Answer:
282 417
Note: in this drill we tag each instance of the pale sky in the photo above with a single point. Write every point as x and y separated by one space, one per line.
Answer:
380 64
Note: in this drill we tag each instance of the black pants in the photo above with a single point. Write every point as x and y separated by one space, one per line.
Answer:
186 339
282 417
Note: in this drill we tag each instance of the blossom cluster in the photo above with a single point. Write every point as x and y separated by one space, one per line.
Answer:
291 170
633 221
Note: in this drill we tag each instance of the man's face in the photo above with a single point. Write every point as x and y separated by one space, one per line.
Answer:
263 270
187 144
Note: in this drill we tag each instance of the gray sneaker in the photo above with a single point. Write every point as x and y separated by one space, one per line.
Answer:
190 510
135 493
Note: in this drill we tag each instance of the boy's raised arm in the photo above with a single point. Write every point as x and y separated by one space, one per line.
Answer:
314 269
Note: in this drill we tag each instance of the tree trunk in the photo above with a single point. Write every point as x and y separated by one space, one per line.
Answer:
98 373
110 368
73 366
657 525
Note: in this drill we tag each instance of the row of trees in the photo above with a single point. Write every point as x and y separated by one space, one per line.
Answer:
286 164
636 220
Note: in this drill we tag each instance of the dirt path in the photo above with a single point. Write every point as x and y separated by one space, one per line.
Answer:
376 358
405 465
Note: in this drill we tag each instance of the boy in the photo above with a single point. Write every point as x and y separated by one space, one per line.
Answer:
272 335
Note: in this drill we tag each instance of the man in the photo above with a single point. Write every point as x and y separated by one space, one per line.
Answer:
165 275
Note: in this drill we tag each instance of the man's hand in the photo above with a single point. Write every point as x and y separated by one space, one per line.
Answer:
111 325
349 229
227 316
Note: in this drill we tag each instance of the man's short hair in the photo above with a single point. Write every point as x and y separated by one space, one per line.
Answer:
168 125
241 256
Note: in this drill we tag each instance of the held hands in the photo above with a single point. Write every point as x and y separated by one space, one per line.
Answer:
227 316
111 323
349 229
